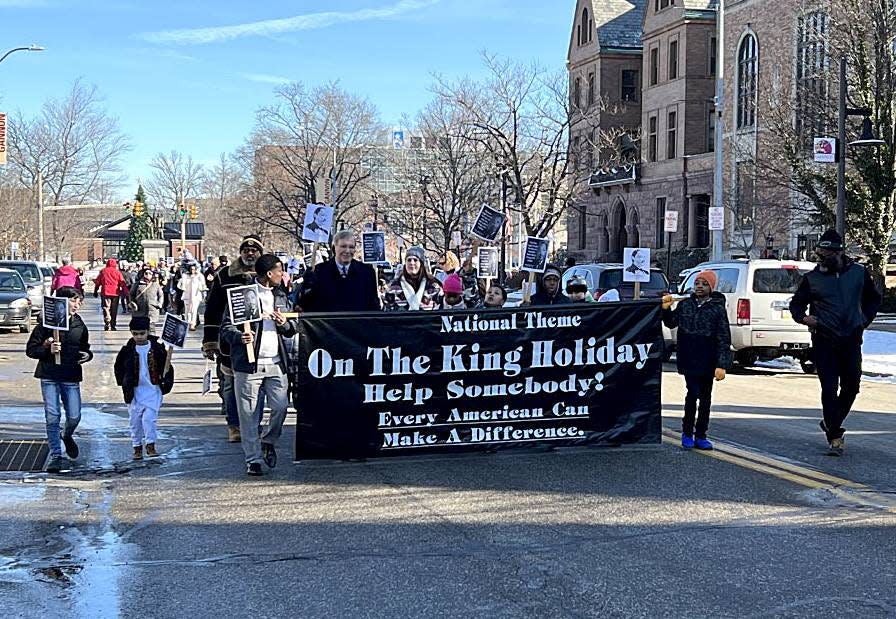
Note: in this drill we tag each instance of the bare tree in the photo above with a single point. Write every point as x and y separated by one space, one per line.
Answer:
307 145
521 115
175 178
75 147
225 189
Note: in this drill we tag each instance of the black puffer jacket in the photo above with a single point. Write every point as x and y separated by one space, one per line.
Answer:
127 368
704 336
75 351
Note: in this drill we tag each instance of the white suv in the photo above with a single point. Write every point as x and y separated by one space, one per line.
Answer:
757 294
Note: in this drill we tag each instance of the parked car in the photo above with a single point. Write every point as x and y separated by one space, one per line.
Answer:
33 278
48 271
758 294
604 276
15 306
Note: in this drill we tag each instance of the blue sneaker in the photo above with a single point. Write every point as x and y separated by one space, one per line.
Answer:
702 443
687 441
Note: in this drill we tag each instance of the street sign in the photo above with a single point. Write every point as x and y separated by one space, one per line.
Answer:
671 222
2 138
716 217
825 150
14 247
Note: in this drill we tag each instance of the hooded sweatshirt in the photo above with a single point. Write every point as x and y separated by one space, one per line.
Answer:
110 282
66 275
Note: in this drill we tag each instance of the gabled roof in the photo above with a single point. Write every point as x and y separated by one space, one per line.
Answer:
194 232
618 22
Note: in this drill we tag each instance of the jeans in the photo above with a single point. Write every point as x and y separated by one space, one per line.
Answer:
696 404
228 397
70 395
270 379
839 366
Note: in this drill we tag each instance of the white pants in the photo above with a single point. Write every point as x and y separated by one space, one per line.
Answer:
143 422
191 309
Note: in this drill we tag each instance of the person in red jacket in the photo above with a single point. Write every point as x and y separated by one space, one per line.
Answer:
108 285
66 275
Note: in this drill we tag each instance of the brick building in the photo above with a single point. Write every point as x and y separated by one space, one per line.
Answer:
653 63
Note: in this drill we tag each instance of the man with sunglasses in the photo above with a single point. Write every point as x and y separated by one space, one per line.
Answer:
239 273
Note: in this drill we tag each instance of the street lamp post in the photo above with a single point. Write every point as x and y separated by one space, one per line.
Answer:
867 139
30 48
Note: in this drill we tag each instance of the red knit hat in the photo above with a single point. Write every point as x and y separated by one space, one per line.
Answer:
711 278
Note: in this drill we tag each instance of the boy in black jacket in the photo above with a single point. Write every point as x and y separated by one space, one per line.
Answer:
140 371
61 381
703 352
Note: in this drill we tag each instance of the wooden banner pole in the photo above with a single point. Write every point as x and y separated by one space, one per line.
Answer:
57 356
637 291
169 351
250 348
527 293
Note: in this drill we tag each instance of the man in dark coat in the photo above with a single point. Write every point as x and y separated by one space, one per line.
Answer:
549 292
240 273
341 284
704 352
842 301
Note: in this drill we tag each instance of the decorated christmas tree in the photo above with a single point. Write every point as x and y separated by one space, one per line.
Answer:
139 229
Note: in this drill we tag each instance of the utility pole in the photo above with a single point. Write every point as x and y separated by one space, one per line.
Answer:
717 188
40 216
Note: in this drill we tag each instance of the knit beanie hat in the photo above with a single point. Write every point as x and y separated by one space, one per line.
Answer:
417 252
453 284
831 240
252 240
710 277
139 323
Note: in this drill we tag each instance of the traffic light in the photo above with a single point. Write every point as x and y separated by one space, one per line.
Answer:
182 210
138 209
193 211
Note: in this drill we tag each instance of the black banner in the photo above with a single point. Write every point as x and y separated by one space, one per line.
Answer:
383 384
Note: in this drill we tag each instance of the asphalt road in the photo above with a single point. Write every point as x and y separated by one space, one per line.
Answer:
768 526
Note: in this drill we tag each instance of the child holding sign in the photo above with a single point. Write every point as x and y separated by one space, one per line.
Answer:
141 373
60 382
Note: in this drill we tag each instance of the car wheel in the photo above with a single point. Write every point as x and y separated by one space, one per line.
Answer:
746 358
23 329
808 366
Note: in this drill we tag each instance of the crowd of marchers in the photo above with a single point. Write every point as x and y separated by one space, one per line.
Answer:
837 301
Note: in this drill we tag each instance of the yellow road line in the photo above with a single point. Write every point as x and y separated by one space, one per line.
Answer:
843 489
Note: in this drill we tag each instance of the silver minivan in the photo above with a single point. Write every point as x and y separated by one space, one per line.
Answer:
757 294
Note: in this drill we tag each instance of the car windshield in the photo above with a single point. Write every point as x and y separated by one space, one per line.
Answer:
47 271
779 280
11 281
612 278
29 272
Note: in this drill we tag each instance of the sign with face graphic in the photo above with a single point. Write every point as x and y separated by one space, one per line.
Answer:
318 223
636 264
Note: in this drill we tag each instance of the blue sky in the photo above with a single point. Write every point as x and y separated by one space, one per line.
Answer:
189 75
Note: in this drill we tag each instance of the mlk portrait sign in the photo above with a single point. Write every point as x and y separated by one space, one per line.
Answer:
376 384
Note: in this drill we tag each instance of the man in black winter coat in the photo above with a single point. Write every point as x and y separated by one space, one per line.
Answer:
240 273
61 381
842 301
704 352
342 284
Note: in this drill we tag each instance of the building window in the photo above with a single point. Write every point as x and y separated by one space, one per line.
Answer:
629 85
590 89
651 139
576 150
589 152
747 60
577 93
713 57
744 193
654 66
711 128
673 60
585 28
812 64
672 136
660 223
662 4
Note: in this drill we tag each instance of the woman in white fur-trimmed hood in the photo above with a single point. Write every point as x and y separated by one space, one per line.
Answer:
415 288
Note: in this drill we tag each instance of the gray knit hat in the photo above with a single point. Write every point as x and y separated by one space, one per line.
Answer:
417 252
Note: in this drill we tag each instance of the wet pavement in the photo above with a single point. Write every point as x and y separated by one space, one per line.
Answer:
568 533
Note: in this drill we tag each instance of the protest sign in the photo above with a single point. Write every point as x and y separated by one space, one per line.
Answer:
488 262
535 255
55 316
373 248
174 331
244 307
636 264
386 384
488 223
318 222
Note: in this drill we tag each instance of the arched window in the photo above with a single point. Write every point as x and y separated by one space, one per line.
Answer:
585 28
747 69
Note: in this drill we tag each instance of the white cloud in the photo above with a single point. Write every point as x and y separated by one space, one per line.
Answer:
264 78
310 21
